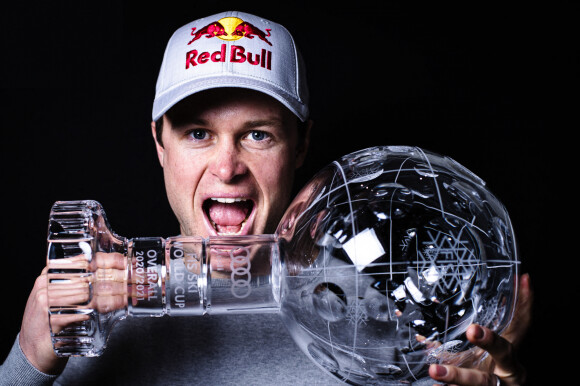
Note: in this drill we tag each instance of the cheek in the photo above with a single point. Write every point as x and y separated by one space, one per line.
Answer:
181 177
279 176
276 183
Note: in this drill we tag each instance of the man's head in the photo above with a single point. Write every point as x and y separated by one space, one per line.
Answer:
230 119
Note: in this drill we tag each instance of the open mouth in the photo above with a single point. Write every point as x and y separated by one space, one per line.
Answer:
228 216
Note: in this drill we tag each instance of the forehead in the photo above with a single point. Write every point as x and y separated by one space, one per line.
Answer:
202 106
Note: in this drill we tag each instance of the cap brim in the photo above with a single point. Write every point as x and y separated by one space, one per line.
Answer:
171 97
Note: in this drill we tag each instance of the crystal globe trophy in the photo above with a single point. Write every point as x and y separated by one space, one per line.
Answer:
377 268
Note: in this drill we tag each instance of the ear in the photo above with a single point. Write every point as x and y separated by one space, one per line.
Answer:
158 146
302 148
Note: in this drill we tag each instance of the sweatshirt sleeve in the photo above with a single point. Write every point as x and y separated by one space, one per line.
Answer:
16 370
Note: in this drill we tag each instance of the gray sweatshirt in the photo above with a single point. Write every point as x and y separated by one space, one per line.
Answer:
208 350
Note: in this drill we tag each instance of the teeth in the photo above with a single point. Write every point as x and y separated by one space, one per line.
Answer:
225 200
228 233
228 200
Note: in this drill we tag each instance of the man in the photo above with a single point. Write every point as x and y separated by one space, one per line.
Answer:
230 123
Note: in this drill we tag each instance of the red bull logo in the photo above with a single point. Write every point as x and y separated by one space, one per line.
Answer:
209 31
229 29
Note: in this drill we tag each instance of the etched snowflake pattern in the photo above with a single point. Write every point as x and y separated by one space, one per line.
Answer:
446 259
356 313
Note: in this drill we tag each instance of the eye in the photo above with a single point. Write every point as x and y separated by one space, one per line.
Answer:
198 134
257 135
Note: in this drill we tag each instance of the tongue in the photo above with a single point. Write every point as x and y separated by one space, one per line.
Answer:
228 217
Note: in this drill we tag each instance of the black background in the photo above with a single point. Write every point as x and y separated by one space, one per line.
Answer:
492 86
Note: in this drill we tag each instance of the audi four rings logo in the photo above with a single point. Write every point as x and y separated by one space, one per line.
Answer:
241 275
229 29
185 271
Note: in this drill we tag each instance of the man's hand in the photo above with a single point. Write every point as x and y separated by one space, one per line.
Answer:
502 366
35 338
104 290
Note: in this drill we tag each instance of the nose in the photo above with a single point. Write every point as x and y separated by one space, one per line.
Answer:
227 163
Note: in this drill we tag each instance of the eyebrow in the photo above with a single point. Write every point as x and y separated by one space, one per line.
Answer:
178 122
263 122
252 124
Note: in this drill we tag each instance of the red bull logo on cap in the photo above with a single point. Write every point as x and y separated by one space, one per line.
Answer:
229 29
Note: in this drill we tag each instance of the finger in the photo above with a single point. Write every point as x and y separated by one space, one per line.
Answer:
105 304
501 350
70 293
59 321
461 376
110 260
110 288
110 274
69 297
56 281
523 313
89 261
80 261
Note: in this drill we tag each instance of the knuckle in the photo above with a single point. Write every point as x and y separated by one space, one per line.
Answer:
40 281
41 297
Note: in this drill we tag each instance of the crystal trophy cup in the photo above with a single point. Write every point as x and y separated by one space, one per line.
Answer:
377 268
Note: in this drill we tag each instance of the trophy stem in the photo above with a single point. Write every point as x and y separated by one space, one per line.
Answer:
96 278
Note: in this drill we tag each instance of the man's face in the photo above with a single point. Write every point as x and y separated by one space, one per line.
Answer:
228 158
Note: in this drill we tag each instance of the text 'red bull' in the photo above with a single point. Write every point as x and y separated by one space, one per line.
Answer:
238 54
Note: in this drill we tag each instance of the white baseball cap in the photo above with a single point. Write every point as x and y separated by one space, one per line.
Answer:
232 49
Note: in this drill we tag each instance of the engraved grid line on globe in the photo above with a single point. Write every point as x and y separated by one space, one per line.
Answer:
446 258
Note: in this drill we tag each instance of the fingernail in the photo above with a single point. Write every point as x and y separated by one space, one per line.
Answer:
478 332
441 371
